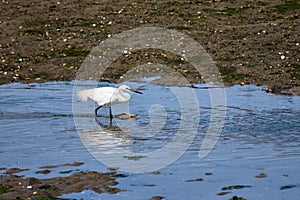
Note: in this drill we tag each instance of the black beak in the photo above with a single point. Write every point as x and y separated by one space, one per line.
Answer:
135 91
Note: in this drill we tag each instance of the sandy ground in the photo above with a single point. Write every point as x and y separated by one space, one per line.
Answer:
250 41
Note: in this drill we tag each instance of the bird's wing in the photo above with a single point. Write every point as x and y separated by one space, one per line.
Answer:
85 94
101 95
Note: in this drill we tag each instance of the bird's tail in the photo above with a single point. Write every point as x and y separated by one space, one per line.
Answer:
85 94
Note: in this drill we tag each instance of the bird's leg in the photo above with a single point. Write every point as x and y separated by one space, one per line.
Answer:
110 115
96 110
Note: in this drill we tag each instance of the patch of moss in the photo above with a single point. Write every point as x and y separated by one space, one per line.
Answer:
288 6
235 11
229 74
293 18
8 68
42 54
210 10
33 32
295 71
45 23
183 3
261 3
4 188
48 187
175 61
42 74
82 24
73 51
226 59
44 197
229 11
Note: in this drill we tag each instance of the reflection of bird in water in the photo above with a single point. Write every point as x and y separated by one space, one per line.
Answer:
107 96
106 139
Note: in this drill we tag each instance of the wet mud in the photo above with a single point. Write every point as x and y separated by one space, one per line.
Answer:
253 42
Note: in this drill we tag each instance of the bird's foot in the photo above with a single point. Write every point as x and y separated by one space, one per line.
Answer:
125 116
130 115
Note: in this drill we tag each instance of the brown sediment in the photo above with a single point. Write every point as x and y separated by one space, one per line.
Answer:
250 41
14 170
14 187
63 165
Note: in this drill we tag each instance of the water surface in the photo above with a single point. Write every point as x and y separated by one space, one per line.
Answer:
261 136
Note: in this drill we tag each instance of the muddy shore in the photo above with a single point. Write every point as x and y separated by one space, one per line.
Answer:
19 187
253 42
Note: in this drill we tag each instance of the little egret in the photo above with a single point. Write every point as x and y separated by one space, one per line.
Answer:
107 96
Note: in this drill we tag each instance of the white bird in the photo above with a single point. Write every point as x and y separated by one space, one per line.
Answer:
107 96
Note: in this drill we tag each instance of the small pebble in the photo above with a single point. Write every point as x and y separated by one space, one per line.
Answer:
113 168
269 90
261 175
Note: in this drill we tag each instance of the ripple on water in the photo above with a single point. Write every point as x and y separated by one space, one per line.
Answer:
261 135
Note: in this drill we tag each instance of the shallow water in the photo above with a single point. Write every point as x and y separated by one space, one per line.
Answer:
261 135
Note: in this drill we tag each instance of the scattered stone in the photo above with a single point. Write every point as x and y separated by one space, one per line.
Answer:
14 170
208 173
155 172
133 157
157 198
44 171
75 164
287 186
261 175
237 198
113 168
195 180
223 193
67 171
235 187
119 175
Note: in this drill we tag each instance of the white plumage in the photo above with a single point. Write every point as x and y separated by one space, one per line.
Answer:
107 96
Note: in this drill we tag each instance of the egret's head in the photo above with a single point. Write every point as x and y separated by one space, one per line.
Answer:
128 89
